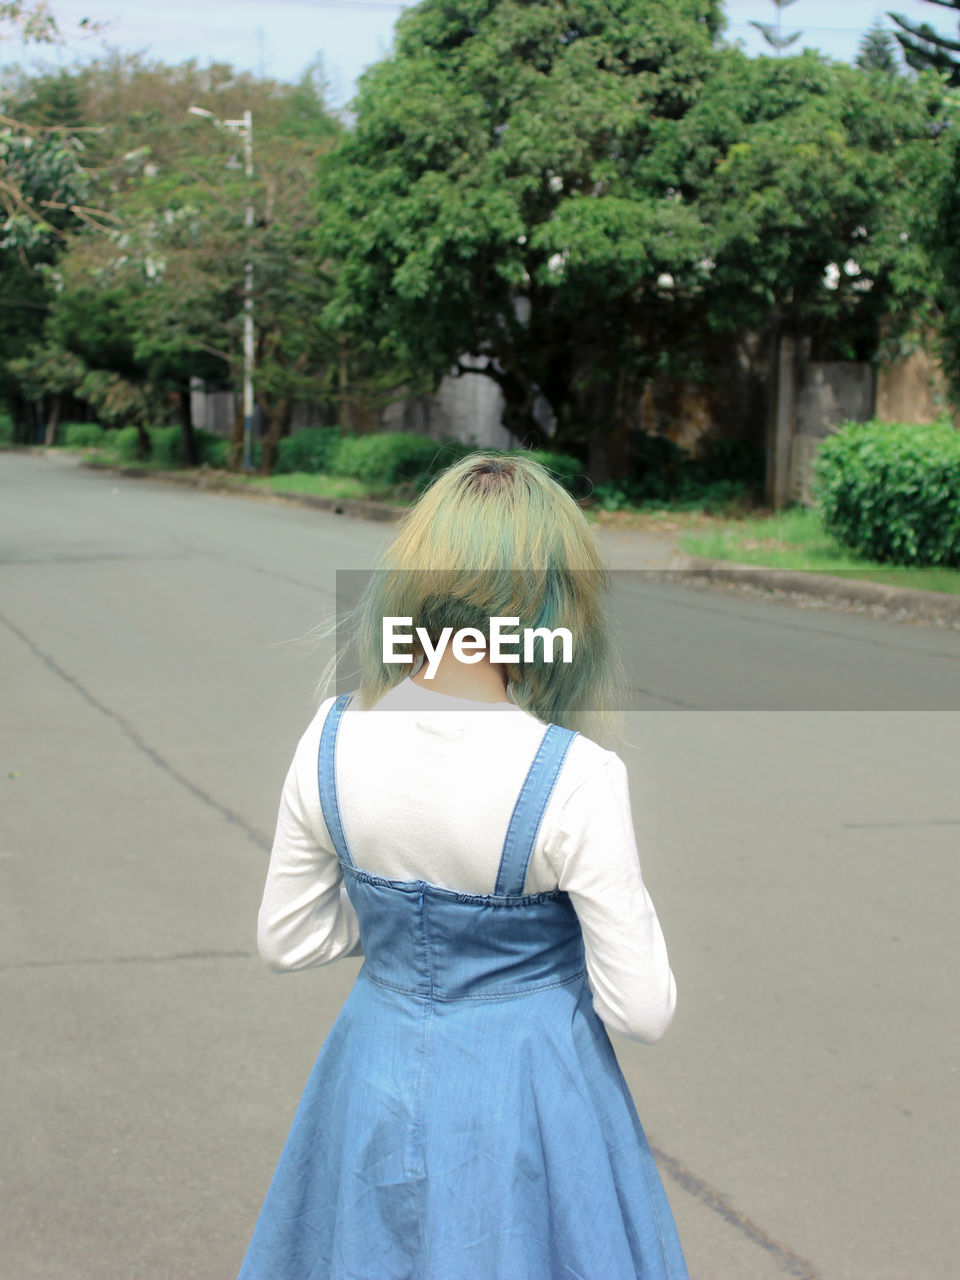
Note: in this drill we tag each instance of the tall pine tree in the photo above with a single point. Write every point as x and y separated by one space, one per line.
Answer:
924 47
877 51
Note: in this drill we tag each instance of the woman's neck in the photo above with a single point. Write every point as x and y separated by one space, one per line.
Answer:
482 681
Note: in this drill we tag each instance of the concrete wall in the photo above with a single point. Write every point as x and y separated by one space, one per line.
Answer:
466 408
912 390
212 410
828 394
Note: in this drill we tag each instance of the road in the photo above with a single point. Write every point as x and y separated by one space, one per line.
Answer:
794 783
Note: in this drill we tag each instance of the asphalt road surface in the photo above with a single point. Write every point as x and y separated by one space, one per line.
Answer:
795 786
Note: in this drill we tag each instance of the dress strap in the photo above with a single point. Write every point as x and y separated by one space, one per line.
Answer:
327 778
529 810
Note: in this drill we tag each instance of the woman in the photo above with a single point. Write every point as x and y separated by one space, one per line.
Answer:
466 1118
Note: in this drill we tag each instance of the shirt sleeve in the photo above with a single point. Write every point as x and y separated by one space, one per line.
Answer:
594 854
306 918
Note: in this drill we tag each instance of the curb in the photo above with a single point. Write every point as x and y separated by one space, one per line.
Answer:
923 604
360 508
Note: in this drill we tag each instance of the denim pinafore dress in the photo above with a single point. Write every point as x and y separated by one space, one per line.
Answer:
466 1118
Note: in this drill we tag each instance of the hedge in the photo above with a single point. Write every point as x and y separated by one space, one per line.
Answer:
389 457
311 450
214 450
83 435
891 491
126 442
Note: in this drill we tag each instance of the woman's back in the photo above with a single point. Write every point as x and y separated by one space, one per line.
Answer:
427 785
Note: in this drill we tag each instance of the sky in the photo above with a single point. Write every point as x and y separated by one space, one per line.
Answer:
280 37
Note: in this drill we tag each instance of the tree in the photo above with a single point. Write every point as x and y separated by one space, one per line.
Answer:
159 298
29 20
809 170
945 244
48 371
40 170
506 192
584 196
924 48
877 51
773 32
43 190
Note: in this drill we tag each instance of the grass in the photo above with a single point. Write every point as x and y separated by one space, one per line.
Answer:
96 457
796 539
317 483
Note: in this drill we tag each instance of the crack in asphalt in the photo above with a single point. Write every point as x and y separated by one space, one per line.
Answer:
919 822
105 557
788 1262
99 960
255 836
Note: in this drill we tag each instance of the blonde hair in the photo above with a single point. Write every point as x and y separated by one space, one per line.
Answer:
494 535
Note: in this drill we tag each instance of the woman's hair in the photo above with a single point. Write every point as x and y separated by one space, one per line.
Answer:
494 535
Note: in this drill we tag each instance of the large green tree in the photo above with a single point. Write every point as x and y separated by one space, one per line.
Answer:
581 195
158 296
45 189
507 192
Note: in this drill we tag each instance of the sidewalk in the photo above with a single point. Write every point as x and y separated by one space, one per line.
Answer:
636 549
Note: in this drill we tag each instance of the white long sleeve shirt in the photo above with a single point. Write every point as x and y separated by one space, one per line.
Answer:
427 784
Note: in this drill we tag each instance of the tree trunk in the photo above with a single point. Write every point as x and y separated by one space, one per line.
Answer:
22 415
235 456
278 420
143 442
190 452
344 406
53 421
610 444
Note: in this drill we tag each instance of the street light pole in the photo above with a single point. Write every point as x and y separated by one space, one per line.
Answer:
244 127
248 333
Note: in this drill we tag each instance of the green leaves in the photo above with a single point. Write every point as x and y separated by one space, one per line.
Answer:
508 184
585 192
891 491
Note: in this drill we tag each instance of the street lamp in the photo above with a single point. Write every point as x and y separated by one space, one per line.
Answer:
244 127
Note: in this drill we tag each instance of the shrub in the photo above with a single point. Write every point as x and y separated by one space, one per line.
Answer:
212 450
687 491
737 460
126 442
83 435
311 449
891 491
565 470
656 463
166 446
391 457
6 429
